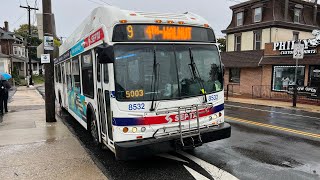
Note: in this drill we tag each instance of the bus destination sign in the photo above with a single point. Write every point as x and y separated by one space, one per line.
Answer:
154 32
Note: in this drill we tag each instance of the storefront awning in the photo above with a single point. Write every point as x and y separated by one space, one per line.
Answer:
288 60
241 59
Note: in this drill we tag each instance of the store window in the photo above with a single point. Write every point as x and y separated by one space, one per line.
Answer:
297 15
234 75
240 19
283 76
257 14
257 40
237 43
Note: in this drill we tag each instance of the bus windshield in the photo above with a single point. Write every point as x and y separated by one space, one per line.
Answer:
163 72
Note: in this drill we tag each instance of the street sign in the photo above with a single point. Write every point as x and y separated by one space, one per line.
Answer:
298 51
45 58
48 43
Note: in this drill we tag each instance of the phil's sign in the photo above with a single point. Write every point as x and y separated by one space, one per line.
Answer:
310 45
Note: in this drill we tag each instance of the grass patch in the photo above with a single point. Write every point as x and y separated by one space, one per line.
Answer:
38 79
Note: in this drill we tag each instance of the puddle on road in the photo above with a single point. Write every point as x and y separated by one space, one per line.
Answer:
266 157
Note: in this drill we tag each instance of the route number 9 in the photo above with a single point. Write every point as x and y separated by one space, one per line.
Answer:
130 31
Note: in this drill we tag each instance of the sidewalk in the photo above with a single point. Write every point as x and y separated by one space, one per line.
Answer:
274 103
30 148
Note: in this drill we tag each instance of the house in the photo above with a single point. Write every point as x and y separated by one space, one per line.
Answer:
260 40
13 53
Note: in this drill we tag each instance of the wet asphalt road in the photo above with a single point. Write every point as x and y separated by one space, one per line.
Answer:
252 152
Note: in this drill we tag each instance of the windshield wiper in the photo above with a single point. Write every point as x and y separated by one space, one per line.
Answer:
196 75
154 89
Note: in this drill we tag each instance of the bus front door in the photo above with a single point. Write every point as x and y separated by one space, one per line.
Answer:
104 103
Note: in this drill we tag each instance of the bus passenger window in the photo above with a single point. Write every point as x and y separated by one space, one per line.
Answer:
76 74
87 74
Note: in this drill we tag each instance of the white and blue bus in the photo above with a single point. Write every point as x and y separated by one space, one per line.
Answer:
143 83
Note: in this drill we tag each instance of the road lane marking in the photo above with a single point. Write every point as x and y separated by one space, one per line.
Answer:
215 172
274 127
298 115
195 174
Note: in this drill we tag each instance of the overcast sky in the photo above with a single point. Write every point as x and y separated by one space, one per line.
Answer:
70 13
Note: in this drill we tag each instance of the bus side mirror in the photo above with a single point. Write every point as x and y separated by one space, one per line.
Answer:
105 54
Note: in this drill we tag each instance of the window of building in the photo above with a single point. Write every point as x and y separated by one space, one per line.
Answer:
0 49
295 36
240 19
283 77
23 52
237 43
234 75
257 14
15 50
87 74
2 67
76 74
257 40
297 15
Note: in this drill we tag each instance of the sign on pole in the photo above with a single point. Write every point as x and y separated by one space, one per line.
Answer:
298 51
45 58
48 43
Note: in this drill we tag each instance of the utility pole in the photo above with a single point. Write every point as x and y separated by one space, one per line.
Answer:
49 67
29 41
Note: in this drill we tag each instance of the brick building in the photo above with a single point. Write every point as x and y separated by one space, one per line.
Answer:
260 42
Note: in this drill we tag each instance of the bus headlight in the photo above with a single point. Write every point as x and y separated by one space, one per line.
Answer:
134 129
143 129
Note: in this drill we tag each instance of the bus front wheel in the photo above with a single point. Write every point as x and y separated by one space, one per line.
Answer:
94 129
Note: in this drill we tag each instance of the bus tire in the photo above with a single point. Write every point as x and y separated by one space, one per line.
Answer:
93 128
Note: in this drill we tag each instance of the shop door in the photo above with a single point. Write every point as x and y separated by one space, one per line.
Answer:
314 76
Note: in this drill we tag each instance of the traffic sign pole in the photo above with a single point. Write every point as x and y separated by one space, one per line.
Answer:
298 53
295 90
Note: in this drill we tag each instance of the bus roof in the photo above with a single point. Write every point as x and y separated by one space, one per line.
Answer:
110 16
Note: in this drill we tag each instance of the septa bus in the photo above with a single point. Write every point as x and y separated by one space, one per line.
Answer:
143 83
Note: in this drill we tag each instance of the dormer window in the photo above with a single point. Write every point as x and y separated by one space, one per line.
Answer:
297 15
239 18
257 14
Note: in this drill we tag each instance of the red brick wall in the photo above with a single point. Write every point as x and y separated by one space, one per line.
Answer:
248 78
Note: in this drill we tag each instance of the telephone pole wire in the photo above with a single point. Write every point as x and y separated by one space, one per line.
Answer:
29 41
49 67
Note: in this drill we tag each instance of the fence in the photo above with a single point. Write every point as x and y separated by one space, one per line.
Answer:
232 90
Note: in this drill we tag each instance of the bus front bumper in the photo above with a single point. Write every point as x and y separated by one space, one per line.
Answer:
137 149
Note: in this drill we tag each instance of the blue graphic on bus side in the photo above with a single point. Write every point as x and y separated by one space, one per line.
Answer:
78 48
77 103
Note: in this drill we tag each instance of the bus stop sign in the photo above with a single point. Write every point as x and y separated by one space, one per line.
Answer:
298 51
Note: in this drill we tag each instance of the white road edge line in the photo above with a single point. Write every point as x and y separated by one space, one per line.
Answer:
195 174
215 172
311 117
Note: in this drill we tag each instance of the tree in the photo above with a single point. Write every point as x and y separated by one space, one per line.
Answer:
23 31
222 44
